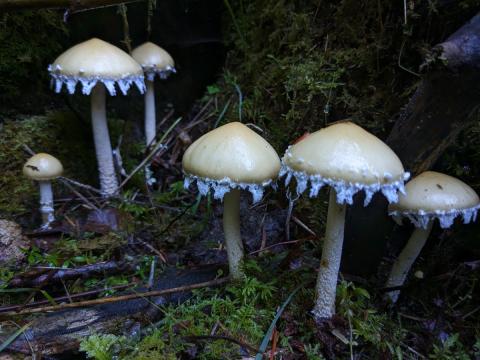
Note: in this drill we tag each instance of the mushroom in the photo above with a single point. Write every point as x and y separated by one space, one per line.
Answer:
430 195
44 168
97 65
225 160
154 61
349 160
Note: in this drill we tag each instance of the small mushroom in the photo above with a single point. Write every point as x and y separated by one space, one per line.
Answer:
97 65
225 160
154 61
44 168
349 160
430 195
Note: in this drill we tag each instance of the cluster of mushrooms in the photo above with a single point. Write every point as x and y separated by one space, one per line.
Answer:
233 157
342 156
99 66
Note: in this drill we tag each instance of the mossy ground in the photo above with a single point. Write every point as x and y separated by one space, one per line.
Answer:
30 41
60 134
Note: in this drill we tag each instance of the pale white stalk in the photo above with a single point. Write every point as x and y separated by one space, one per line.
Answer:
330 262
46 203
405 260
103 148
150 118
231 229
150 124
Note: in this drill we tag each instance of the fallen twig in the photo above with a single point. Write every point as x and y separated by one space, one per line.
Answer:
145 161
73 5
117 298
63 298
65 274
274 245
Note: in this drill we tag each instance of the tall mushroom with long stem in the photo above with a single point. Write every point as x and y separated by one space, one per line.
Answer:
43 168
430 195
226 160
154 61
97 65
349 160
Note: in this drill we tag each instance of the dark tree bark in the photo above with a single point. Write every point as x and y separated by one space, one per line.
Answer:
445 103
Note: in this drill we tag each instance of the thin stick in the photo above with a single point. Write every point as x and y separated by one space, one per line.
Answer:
76 183
114 299
63 298
73 5
153 249
83 198
157 147
302 225
274 245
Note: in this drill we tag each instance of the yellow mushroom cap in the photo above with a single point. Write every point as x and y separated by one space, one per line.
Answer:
41 167
96 60
433 195
347 157
154 59
228 157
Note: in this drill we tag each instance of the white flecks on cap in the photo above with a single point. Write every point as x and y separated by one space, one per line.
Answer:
229 157
223 186
154 60
347 158
345 190
95 61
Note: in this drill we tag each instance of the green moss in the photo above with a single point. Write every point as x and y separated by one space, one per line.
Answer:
302 64
30 41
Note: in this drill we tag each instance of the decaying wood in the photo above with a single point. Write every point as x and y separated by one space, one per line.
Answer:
72 5
115 299
68 297
42 277
444 104
61 332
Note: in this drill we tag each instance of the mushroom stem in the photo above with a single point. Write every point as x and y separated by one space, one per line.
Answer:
405 260
330 262
103 148
231 228
150 122
46 202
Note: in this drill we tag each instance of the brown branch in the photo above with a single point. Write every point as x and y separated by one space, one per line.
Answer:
4 309
72 5
114 299
41 278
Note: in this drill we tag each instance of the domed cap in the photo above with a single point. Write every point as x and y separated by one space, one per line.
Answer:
231 156
433 195
347 158
154 60
42 167
96 60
